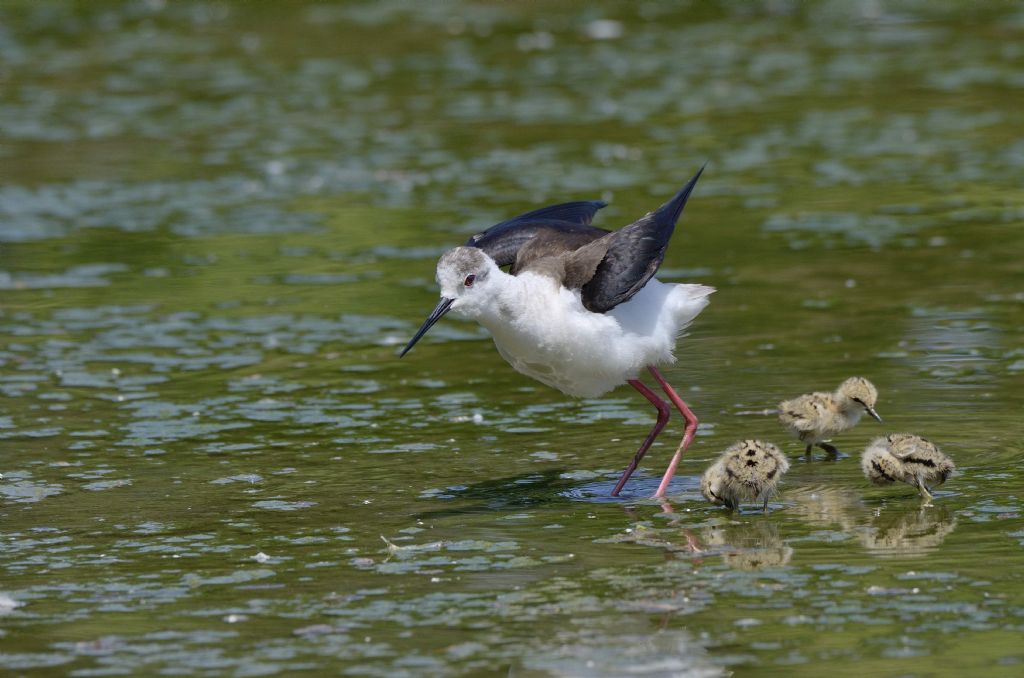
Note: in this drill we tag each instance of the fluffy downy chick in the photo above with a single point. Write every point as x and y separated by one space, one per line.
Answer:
746 470
815 417
906 458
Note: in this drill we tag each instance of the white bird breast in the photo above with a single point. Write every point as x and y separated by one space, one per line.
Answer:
544 331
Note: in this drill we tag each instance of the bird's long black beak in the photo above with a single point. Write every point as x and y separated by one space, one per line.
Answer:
871 411
435 315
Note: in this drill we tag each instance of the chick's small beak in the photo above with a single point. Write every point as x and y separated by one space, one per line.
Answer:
874 415
442 307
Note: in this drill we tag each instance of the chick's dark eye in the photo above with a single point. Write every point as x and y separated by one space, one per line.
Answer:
470 279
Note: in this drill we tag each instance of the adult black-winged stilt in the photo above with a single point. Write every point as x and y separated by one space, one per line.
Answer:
579 308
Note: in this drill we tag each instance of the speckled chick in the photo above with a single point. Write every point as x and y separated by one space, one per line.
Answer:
816 417
746 470
906 458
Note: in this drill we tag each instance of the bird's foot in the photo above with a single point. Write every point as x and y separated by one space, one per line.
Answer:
831 451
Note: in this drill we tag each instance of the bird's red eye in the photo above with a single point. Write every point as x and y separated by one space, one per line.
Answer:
470 279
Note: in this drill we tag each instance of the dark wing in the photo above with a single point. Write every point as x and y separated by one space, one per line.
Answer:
634 254
502 241
563 242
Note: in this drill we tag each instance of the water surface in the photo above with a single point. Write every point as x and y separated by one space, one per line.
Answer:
218 224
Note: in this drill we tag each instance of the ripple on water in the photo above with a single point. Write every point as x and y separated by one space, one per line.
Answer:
640 488
91 275
250 478
191 208
19 487
282 505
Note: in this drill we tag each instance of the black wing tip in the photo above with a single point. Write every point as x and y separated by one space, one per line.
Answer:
674 207
693 182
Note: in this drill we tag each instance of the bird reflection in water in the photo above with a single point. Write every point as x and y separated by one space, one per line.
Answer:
908 533
747 546
744 546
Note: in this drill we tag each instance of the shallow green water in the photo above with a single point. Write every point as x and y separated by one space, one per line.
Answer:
219 222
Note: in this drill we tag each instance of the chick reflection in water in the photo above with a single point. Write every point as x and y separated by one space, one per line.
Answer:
906 458
826 506
748 546
746 471
908 533
742 546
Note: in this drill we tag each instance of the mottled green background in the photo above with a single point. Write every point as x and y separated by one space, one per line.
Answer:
219 221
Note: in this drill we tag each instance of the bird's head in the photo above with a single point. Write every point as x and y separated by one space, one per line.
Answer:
465 275
713 485
879 464
862 392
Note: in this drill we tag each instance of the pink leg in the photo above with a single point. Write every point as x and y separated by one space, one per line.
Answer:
688 433
663 414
